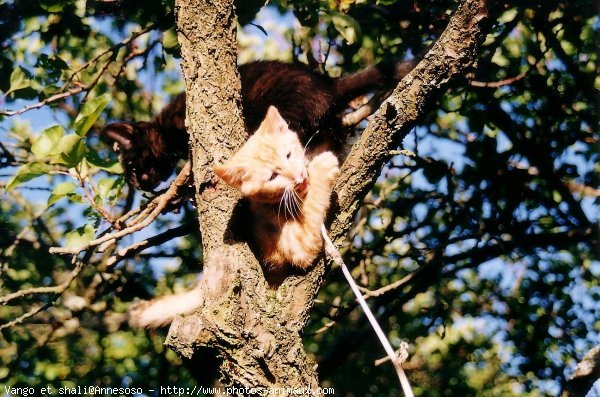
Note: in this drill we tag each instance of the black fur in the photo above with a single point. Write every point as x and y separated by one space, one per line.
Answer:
308 101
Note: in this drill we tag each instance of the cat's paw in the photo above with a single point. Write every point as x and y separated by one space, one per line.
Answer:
325 165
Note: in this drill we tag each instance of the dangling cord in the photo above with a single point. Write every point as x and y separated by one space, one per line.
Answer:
337 258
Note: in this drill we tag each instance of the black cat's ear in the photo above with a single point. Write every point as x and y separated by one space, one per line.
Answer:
273 122
119 133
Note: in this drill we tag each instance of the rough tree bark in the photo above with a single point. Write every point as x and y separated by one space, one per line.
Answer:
585 375
255 326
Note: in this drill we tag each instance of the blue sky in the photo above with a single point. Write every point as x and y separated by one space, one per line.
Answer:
254 39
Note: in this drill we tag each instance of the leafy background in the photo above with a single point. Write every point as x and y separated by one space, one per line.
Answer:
479 247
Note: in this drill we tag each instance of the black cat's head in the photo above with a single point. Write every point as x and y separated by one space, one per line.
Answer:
142 152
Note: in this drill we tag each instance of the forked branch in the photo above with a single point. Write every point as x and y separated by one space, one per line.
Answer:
255 329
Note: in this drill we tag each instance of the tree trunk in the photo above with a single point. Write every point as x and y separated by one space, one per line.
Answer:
255 325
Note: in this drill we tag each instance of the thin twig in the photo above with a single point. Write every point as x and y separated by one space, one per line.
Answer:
64 93
322 329
139 246
112 49
354 118
89 196
7 154
57 289
337 258
497 84
402 355
133 213
383 290
25 316
93 83
50 99
141 221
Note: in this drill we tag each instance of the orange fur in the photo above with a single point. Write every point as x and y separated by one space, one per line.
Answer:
289 195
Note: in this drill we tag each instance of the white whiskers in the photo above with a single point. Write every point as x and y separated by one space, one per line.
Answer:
291 203
298 203
310 139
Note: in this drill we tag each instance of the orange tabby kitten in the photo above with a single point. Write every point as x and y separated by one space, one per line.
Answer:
288 197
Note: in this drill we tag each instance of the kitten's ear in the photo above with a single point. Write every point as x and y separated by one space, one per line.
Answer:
233 175
119 133
273 122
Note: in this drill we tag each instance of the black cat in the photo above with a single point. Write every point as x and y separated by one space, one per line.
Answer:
308 101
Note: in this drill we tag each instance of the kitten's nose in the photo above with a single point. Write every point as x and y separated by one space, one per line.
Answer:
301 178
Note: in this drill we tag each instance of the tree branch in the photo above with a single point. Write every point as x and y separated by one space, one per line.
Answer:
253 324
586 373
153 241
145 217
67 92
449 58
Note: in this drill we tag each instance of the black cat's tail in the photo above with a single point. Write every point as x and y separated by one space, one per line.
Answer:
379 76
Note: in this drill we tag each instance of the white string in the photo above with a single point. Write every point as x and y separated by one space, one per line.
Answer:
337 258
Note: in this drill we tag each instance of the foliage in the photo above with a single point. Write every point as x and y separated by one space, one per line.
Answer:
484 237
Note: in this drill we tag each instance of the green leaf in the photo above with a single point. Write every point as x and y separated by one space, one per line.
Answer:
109 165
120 345
53 5
75 198
49 90
19 79
60 191
47 143
53 62
79 237
557 197
346 26
499 59
90 113
508 16
26 173
18 275
72 150
50 68
170 42
104 186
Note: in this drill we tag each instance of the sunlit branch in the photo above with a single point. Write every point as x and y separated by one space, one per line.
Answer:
497 84
355 117
57 289
89 197
142 220
25 316
112 50
130 251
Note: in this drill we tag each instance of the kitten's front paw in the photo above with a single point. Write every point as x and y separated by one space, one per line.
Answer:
325 165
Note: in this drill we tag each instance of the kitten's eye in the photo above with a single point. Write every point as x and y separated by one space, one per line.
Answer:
273 176
287 156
